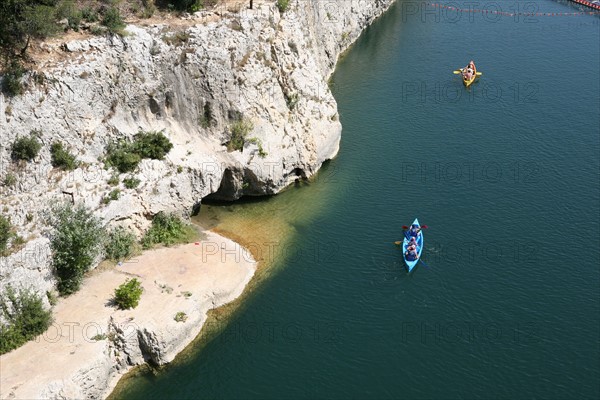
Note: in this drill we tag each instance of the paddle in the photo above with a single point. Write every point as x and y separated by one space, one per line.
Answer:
458 71
399 242
422 226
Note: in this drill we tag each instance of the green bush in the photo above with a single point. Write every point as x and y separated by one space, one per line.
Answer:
113 180
113 21
180 316
11 82
120 155
89 14
61 158
282 5
128 294
113 195
125 156
10 180
131 182
154 145
25 148
24 316
167 229
120 244
206 118
239 131
5 234
68 9
76 242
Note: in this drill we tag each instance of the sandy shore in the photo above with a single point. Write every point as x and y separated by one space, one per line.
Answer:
71 361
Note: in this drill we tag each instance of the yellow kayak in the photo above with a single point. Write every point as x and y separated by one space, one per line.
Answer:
468 82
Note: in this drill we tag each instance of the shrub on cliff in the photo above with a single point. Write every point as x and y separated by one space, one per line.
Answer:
61 158
24 318
11 81
25 148
239 130
113 21
154 145
283 5
120 155
76 242
5 234
168 229
125 156
120 244
128 294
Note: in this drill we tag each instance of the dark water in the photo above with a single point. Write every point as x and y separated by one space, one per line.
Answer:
505 174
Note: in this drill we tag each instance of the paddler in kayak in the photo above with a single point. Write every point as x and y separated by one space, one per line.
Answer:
414 230
411 255
469 71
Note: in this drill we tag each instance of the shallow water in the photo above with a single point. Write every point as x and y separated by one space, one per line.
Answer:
506 176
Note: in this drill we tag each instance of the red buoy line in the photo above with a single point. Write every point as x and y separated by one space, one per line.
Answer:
522 13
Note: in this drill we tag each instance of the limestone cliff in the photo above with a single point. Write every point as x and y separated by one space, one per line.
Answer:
192 77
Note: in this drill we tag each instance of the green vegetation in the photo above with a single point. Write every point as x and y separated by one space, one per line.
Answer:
125 156
113 21
261 152
176 39
24 317
11 82
291 100
128 294
113 180
120 244
26 148
181 317
23 20
61 158
191 5
9 240
239 131
52 298
113 195
89 14
154 145
5 234
68 10
283 5
100 336
131 182
10 180
206 118
76 242
168 229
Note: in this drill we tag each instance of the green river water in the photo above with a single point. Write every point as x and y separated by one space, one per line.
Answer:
506 176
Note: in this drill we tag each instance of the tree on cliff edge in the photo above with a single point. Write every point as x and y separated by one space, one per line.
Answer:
22 20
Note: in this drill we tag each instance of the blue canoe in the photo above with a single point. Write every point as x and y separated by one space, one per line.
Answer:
411 263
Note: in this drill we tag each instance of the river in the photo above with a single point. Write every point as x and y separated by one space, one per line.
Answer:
505 175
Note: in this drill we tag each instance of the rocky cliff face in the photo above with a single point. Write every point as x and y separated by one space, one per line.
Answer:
192 78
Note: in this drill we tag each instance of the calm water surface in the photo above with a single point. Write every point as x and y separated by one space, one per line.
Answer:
505 174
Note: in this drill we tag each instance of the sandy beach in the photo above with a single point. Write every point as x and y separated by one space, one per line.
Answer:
91 343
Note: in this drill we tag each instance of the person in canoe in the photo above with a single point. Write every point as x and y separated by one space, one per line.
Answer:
414 230
411 250
411 255
412 244
469 71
